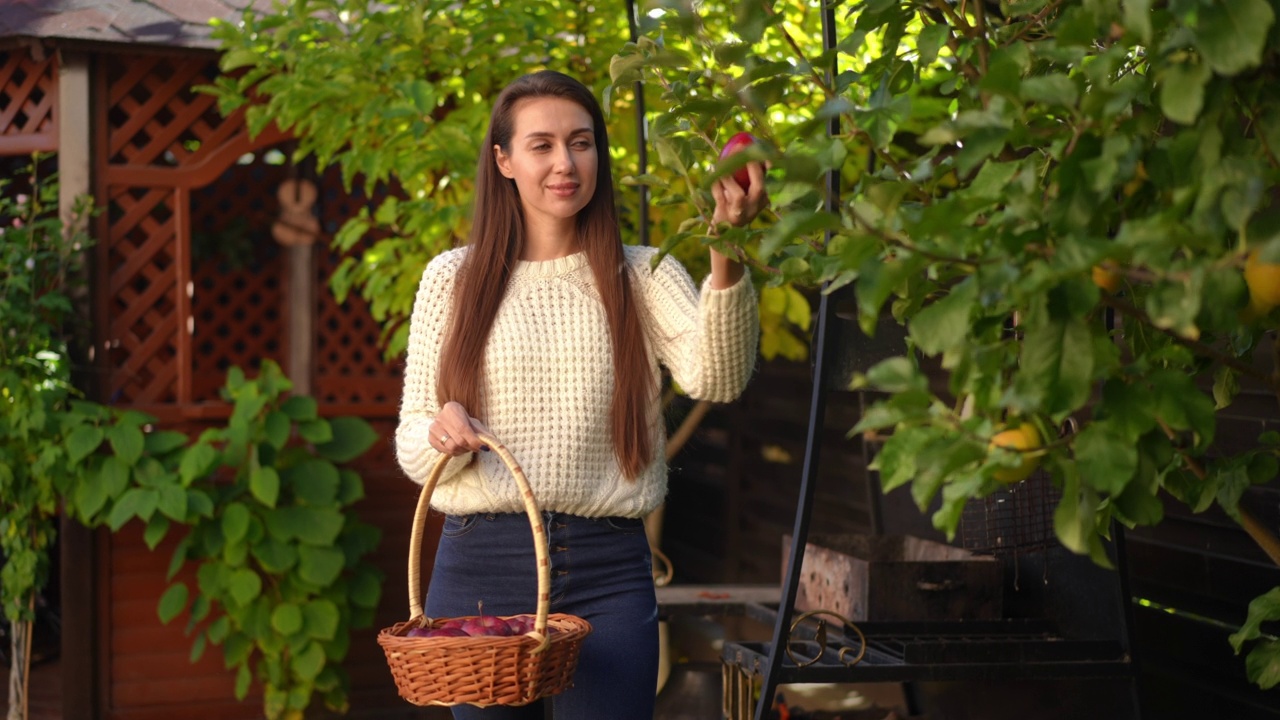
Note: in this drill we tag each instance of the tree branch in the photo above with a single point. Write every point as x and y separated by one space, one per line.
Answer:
1195 346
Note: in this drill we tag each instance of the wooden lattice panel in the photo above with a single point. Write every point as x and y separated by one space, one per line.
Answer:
237 269
28 103
350 370
142 287
155 115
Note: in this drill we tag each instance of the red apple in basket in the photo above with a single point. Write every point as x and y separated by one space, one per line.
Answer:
490 625
736 143
446 632
522 624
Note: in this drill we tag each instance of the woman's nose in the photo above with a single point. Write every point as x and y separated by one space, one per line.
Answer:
564 160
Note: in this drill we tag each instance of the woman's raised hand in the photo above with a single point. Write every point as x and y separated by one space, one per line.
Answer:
736 206
454 432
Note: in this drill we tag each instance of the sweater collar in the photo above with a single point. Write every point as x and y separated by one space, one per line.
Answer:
549 268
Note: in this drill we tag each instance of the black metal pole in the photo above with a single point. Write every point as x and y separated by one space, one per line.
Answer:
825 342
642 135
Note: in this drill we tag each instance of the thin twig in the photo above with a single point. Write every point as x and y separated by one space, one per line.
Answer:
1261 535
1033 21
1195 346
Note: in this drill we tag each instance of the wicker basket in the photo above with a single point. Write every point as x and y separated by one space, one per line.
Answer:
484 670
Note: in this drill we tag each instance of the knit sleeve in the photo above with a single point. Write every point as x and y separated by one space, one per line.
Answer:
419 405
707 340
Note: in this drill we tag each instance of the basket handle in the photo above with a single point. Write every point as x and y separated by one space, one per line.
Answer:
535 522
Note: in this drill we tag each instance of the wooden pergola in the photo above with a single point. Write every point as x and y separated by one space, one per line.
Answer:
187 281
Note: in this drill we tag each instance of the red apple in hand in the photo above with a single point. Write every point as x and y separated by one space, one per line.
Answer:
736 143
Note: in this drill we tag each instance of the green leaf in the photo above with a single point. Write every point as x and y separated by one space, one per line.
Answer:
173 602
244 585
1130 410
896 460
1106 459
197 462
625 69
319 566
136 502
1264 608
1056 364
172 502
945 323
1226 384
316 431
896 375
157 528
164 442
1054 89
276 557
264 484
1182 91
1074 517
197 648
90 495
1232 34
286 619
300 408
308 663
82 441
321 619
314 482
1262 664
352 488
278 426
199 504
352 437
1139 505
235 522
243 679
127 442
1137 19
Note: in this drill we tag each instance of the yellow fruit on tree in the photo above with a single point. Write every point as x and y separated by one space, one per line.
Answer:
1263 280
1023 438
1107 277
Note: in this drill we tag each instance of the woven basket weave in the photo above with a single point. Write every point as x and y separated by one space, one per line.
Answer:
485 670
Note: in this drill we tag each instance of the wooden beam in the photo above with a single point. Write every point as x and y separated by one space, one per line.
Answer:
77 567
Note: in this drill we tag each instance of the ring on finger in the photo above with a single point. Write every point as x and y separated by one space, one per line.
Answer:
444 437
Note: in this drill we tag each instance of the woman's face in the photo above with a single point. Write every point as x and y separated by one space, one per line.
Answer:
552 160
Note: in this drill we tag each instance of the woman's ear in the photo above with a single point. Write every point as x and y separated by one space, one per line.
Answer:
503 162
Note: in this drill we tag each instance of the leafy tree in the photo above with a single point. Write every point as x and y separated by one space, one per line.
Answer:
1070 206
398 95
38 261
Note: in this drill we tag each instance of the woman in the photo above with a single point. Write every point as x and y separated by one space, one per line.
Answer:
547 330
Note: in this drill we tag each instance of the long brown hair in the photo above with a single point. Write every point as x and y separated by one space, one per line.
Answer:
497 238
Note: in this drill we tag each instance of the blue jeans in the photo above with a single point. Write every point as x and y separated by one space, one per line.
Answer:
601 571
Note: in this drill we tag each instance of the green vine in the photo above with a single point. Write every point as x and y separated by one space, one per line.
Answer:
264 502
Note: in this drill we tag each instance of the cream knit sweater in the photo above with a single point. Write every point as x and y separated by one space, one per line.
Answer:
549 380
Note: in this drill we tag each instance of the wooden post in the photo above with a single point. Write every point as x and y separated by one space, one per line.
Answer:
77 554
297 230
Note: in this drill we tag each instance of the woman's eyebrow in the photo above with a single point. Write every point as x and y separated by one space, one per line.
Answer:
545 134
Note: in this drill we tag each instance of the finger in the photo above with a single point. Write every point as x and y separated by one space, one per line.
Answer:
480 427
717 191
755 171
